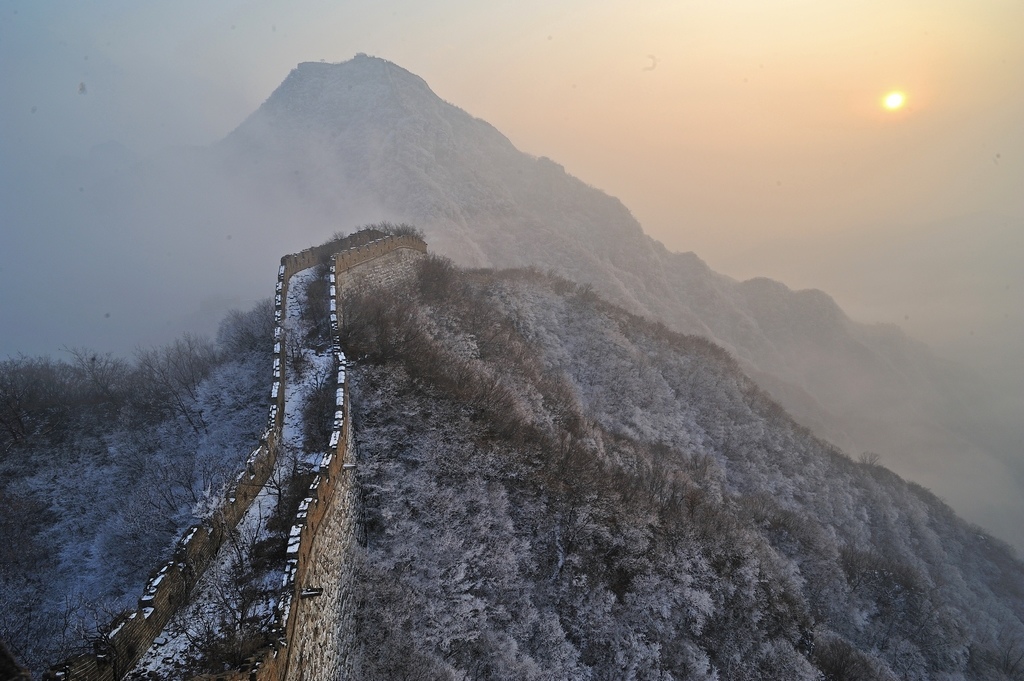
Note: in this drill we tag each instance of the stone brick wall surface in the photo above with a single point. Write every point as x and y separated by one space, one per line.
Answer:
321 642
383 271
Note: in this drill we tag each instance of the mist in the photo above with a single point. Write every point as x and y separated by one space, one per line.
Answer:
677 111
113 253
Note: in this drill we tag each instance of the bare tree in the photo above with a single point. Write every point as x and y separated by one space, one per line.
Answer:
250 331
173 374
35 393
105 375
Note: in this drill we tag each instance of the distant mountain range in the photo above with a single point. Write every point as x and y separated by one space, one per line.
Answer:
369 138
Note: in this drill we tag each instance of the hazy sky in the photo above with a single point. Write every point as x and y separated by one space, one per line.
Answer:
736 129
749 131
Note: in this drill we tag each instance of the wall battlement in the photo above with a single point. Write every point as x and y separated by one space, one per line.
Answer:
367 256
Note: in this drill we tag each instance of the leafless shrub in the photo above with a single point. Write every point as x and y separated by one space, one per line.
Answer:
399 229
840 661
318 409
172 375
37 396
380 326
234 621
294 356
316 308
869 459
436 276
249 331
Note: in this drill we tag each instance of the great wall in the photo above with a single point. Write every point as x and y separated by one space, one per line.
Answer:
313 622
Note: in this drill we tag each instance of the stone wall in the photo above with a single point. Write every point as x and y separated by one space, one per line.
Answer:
313 633
383 271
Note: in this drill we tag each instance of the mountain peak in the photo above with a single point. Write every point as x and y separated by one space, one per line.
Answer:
361 67
326 96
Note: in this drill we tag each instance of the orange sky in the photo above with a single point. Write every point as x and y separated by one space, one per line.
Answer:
764 118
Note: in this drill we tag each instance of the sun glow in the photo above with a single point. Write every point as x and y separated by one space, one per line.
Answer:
894 101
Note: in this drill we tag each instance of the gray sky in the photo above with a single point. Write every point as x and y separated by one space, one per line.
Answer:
750 132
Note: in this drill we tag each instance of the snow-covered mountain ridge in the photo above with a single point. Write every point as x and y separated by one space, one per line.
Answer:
367 136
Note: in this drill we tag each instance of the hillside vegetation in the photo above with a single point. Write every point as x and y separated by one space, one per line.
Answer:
550 487
555 488
104 462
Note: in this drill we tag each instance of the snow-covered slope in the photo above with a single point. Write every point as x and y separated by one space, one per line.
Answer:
555 488
117 458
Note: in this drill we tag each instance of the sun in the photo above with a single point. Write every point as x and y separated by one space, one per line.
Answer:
894 100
